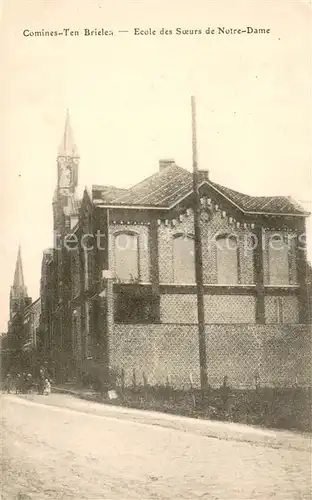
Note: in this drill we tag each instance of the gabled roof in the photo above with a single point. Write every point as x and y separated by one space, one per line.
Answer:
166 188
260 204
33 304
162 189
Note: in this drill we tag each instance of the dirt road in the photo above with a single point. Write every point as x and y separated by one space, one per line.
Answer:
59 447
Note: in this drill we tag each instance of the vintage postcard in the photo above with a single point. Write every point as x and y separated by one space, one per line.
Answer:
156 249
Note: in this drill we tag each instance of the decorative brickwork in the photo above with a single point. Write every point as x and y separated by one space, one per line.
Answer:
218 226
279 355
155 282
178 309
272 309
210 230
286 356
283 309
218 309
230 309
158 351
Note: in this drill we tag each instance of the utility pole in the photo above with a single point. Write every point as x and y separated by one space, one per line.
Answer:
198 256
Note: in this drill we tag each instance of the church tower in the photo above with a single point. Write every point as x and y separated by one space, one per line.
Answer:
64 201
65 214
18 296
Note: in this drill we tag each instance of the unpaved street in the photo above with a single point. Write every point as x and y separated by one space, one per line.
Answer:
59 447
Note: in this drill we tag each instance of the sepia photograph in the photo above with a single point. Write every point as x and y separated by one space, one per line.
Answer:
156 250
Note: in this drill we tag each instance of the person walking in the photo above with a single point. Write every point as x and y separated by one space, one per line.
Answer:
41 380
23 383
29 383
47 387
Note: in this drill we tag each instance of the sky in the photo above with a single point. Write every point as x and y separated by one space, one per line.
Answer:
129 101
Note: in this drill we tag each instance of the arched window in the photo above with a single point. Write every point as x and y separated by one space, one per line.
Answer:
227 260
278 261
127 257
183 259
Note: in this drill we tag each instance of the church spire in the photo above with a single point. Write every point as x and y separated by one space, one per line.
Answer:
18 296
19 288
68 146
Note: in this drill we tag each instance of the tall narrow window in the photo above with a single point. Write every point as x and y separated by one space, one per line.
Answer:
76 275
127 257
90 257
278 261
227 260
183 259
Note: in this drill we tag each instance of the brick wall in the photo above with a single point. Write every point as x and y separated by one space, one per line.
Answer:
218 308
218 225
286 356
280 355
75 272
283 309
157 351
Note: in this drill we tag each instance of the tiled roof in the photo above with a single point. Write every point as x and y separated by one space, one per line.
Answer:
107 193
165 188
161 189
260 204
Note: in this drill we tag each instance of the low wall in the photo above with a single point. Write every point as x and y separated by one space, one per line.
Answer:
279 354
158 351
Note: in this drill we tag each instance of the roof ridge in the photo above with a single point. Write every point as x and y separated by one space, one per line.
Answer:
107 186
170 185
160 188
290 198
154 175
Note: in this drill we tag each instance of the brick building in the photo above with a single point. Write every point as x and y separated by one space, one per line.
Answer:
32 315
24 334
254 261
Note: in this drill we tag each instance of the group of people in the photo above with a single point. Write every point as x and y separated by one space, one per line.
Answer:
25 383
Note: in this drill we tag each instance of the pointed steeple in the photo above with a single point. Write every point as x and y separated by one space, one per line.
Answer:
19 288
18 296
68 146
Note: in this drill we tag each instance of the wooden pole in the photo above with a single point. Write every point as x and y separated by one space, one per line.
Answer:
198 256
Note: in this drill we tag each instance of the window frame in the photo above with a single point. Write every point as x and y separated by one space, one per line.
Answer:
181 236
271 237
225 236
131 233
